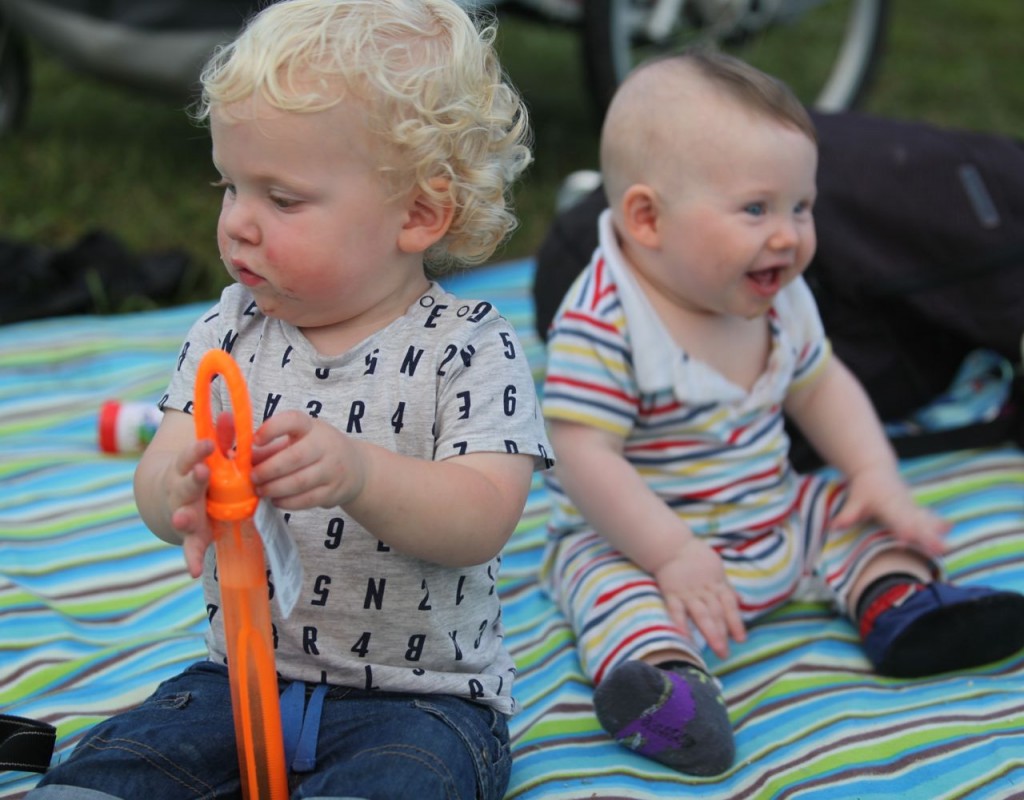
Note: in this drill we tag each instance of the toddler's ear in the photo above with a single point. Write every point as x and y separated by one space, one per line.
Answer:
640 215
427 219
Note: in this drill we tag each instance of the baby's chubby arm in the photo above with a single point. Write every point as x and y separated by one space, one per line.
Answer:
456 512
635 521
835 414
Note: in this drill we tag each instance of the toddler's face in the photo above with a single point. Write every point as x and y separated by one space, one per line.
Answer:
736 217
307 222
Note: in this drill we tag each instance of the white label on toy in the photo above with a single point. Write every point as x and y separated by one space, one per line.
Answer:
282 556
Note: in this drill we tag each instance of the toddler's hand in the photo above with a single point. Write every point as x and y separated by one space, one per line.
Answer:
885 498
185 483
695 588
301 462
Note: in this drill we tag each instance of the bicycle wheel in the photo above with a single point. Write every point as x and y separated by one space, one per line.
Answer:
826 50
14 78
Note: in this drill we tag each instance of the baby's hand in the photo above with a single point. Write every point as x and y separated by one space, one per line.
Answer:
301 462
695 588
186 480
885 498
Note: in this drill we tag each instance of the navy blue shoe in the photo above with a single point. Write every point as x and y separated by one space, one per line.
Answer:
942 627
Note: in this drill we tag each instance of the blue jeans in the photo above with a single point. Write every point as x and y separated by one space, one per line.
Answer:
180 744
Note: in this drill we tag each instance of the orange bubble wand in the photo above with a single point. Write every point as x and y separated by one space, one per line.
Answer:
245 603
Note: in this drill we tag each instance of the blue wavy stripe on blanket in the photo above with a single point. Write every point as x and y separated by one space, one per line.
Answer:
94 611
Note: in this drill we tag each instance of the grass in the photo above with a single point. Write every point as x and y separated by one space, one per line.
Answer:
95 156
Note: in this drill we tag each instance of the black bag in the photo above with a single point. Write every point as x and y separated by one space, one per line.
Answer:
920 260
95 275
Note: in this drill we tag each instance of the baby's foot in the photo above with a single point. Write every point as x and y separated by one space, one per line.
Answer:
676 716
940 627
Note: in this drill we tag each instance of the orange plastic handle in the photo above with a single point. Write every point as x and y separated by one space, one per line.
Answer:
231 503
230 495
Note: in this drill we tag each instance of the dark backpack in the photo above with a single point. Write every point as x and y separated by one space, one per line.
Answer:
920 261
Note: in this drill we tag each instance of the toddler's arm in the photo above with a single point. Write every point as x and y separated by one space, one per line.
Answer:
635 521
837 417
170 487
456 512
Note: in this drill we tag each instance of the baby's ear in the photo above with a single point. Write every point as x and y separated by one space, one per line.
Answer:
639 207
427 220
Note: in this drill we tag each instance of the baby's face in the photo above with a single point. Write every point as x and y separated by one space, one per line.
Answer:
308 223
736 221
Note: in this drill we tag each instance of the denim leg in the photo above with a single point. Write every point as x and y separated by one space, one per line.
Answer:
431 747
177 745
180 745
54 792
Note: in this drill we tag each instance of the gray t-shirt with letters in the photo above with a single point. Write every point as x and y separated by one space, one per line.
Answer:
448 378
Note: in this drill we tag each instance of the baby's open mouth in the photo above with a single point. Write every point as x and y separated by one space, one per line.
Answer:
766 278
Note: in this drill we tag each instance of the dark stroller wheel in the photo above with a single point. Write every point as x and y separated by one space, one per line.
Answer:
14 78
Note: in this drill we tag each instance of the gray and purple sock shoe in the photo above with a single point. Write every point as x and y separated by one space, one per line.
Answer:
675 716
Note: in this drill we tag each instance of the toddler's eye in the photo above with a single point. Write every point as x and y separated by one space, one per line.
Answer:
284 203
754 209
803 207
224 184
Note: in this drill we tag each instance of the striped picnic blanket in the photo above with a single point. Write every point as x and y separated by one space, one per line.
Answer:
95 611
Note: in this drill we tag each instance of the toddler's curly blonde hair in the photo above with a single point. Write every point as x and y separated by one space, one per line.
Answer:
437 98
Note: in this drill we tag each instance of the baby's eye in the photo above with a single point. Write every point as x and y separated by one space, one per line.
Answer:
803 207
754 209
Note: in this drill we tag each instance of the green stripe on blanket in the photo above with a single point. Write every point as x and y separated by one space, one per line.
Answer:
95 611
